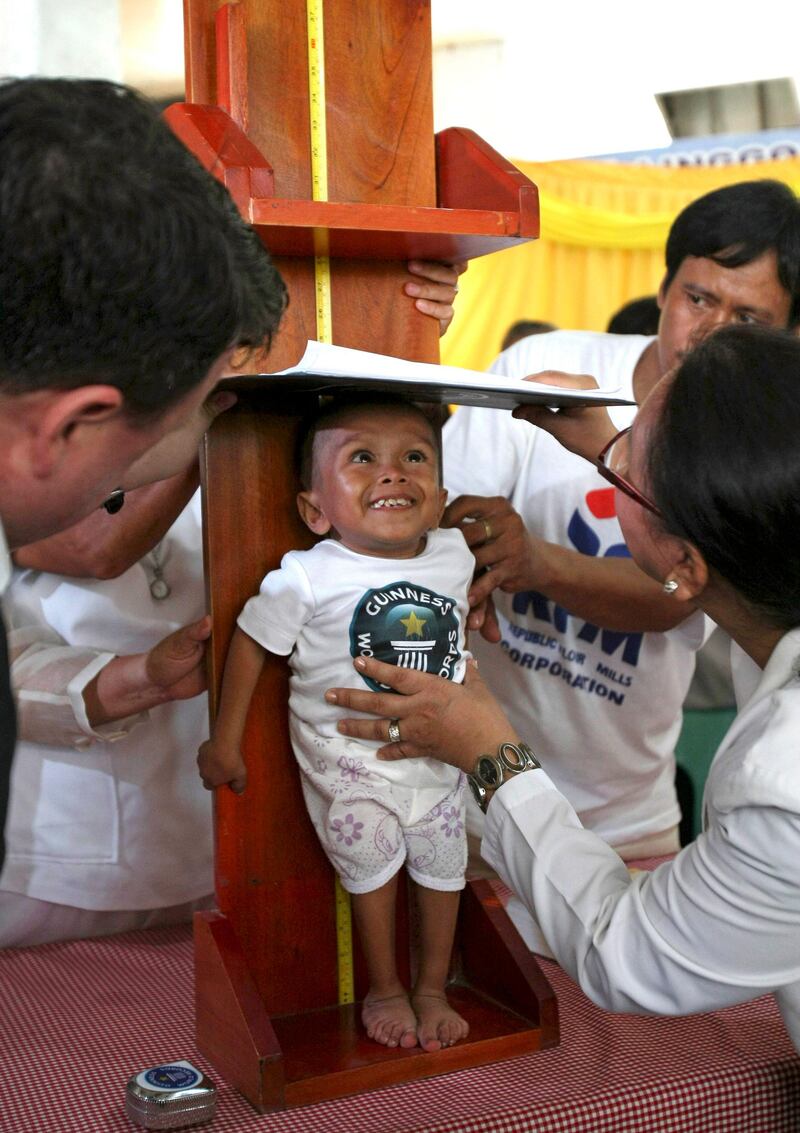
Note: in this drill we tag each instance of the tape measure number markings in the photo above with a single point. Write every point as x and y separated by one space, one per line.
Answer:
319 163
322 295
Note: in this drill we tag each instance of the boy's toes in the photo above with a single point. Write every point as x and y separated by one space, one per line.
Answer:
438 1024
389 1021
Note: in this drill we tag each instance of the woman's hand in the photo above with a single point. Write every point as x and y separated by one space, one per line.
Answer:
454 723
435 290
584 430
174 669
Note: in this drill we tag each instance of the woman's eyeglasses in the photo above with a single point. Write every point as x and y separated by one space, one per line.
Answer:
612 464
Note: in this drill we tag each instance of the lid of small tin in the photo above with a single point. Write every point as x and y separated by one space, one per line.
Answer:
173 1095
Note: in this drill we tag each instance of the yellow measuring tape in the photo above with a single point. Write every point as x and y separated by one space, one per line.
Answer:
322 293
319 163
344 944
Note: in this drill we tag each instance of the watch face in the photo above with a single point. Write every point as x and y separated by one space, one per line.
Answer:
487 771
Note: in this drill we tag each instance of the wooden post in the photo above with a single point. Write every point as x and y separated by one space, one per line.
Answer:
268 1011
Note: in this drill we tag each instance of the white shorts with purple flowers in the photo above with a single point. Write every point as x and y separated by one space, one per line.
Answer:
371 816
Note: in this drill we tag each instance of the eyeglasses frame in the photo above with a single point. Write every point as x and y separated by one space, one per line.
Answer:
618 480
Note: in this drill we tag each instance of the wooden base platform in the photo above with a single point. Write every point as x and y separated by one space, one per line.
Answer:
312 1056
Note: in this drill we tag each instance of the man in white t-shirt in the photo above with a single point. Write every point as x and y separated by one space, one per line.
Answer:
593 662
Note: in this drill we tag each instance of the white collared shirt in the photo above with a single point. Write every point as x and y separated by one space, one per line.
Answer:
113 817
719 924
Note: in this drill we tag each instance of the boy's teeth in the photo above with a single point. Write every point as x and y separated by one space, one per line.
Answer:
401 502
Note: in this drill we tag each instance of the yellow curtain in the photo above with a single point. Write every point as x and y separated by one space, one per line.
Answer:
604 226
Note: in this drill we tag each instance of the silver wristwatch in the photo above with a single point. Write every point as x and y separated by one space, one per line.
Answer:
491 771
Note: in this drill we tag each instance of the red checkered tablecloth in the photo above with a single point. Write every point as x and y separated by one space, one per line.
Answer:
81 1017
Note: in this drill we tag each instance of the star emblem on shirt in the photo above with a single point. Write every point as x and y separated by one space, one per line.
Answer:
414 625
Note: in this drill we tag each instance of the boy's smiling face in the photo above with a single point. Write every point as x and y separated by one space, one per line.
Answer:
375 482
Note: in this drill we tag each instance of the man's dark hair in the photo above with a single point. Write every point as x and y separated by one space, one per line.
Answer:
723 463
737 224
524 328
341 405
122 261
640 316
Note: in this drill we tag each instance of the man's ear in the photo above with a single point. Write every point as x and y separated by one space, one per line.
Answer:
62 413
689 570
662 292
311 513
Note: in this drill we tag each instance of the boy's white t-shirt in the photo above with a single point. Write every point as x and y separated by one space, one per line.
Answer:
328 605
601 709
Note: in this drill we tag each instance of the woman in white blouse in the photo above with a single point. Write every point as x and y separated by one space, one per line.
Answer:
109 828
708 495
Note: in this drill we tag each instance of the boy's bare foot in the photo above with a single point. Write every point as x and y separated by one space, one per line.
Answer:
390 1021
438 1025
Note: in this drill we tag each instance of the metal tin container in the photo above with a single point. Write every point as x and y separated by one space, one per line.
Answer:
173 1095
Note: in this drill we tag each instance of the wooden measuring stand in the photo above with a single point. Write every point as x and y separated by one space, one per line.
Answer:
339 100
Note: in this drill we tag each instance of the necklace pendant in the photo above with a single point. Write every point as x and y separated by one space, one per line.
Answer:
160 589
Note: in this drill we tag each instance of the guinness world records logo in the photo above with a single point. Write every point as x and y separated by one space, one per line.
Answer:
406 625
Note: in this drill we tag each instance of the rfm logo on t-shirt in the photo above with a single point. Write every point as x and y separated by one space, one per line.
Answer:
583 538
